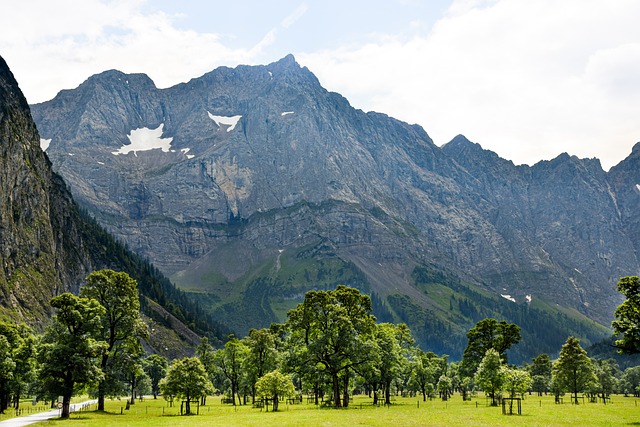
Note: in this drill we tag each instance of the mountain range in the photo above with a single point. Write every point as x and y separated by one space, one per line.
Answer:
48 244
248 186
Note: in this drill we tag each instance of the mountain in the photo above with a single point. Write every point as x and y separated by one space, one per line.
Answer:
251 185
48 245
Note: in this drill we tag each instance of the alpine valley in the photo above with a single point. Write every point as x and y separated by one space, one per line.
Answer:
48 245
249 186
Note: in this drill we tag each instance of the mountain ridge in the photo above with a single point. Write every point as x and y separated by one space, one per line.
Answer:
305 190
48 245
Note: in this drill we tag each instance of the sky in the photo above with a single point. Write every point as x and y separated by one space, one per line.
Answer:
526 79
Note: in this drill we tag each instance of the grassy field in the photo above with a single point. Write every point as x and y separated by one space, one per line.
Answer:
536 411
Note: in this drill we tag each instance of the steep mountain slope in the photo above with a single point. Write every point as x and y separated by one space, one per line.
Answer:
48 245
254 184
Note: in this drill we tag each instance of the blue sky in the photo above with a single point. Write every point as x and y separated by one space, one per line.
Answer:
526 79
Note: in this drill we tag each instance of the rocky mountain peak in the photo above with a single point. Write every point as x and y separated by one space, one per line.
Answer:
268 175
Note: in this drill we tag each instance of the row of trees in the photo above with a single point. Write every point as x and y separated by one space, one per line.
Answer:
330 347
93 340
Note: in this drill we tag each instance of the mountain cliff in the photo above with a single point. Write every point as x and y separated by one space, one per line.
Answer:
48 245
251 185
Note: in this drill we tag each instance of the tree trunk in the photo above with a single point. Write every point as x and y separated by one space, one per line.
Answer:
188 407
275 403
336 390
345 394
387 392
66 406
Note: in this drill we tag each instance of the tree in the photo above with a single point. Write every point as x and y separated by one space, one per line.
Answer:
540 371
261 356
229 361
155 365
187 379
205 352
488 334
631 381
573 371
393 344
627 315
515 382
275 385
17 359
605 371
68 351
333 332
445 386
121 324
489 375
424 371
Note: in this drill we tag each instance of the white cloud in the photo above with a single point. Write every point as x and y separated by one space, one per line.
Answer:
525 79
295 15
73 40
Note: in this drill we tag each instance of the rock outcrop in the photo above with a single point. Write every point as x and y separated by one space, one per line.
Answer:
259 172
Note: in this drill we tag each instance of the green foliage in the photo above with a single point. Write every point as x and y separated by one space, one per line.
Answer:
488 334
627 315
275 385
17 361
540 371
489 376
187 379
155 366
229 361
332 331
573 371
68 353
262 355
121 328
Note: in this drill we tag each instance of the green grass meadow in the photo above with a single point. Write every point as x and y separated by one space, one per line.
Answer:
536 411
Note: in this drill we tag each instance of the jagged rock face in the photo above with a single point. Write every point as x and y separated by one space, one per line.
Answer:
35 234
263 159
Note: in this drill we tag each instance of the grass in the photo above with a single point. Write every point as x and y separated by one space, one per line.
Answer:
536 411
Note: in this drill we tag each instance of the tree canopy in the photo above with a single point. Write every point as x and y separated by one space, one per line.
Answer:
573 371
627 315
68 352
121 325
187 379
488 334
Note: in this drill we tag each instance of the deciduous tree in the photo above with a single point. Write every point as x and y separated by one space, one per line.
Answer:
274 385
121 328
488 334
627 323
540 371
489 375
155 365
573 371
68 351
187 379
333 331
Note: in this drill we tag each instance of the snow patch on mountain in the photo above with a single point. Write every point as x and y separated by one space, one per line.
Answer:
230 121
145 139
44 143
